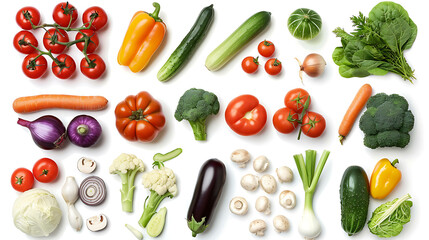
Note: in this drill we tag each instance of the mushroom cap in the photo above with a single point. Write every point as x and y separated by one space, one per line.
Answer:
280 223
241 157
260 164
238 205
249 182
86 165
284 174
268 183
263 205
287 199
258 227
96 223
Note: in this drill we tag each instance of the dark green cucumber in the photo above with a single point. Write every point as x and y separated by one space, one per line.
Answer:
354 194
188 45
237 40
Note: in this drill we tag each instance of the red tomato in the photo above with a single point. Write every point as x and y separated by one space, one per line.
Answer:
266 48
27 15
99 16
92 43
250 64
313 124
22 180
45 170
295 99
285 120
34 68
95 68
64 14
23 42
65 68
245 116
53 37
273 66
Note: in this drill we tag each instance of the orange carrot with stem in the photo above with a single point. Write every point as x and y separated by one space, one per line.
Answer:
353 111
48 101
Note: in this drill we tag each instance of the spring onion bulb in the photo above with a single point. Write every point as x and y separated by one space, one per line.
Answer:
309 226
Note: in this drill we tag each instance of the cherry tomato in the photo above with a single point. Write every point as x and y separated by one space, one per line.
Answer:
34 68
52 38
62 14
45 170
245 116
273 66
23 41
92 43
285 120
266 48
313 124
99 16
22 180
95 68
27 14
65 68
250 64
296 98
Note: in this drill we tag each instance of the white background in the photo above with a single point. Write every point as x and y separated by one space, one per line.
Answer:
331 95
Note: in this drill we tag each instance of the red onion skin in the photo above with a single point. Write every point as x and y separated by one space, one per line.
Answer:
84 139
48 132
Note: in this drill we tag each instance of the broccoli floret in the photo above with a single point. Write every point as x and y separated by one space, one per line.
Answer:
388 138
371 141
195 106
408 122
367 123
399 101
388 117
404 140
376 100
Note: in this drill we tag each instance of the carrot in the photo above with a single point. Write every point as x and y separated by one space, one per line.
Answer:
353 111
48 101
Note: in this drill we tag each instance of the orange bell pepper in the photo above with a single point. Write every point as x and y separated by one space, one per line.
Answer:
144 35
384 178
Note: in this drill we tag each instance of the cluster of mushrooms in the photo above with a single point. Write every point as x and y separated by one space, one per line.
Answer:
250 182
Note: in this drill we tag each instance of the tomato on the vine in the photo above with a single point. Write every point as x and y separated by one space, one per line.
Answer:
92 43
45 170
53 37
296 98
99 16
27 15
64 14
95 68
273 66
313 124
65 68
250 64
285 120
266 48
22 179
32 67
25 41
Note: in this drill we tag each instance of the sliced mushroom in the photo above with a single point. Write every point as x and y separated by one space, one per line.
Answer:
287 199
250 182
96 223
284 174
260 164
86 165
238 205
263 205
281 223
241 157
258 227
268 183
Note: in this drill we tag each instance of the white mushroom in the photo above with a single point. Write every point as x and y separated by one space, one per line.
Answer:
96 223
268 183
280 223
86 165
258 227
287 199
284 174
263 205
238 205
250 182
260 164
241 157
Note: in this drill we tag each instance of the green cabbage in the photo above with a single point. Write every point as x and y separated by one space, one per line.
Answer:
36 212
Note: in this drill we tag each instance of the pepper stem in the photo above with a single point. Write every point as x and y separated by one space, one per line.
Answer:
155 13
394 162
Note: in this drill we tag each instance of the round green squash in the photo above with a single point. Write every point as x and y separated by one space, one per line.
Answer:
304 24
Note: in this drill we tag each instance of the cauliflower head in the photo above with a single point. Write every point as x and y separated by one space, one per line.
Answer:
161 181
125 162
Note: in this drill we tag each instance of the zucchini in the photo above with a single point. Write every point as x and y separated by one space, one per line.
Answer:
354 194
188 46
236 41
156 223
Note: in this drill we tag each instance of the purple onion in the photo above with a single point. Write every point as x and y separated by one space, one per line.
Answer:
48 132
84 131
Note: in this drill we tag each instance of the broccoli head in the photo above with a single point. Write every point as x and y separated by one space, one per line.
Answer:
195 106
387 121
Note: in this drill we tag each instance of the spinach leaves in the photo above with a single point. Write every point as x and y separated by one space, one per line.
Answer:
376 45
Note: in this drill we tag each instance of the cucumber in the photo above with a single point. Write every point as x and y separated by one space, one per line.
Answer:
188 46
156 224
237 40
304 24
354 194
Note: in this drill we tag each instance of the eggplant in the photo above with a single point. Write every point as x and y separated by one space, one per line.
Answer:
208 190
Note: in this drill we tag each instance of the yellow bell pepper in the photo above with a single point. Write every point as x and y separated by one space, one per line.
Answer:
144 35
384 178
